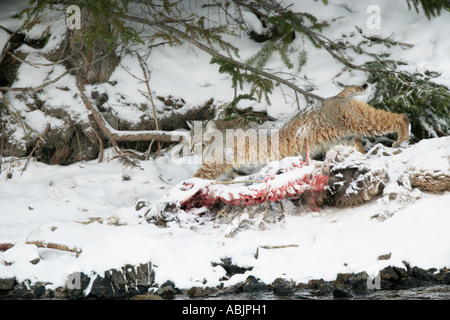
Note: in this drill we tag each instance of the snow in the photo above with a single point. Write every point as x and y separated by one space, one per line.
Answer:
91 205
59 204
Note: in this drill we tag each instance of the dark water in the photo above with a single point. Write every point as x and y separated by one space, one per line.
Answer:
439 292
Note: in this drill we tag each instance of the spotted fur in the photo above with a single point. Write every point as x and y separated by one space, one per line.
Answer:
339 119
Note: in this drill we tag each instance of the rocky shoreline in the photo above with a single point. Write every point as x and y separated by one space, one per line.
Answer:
138 283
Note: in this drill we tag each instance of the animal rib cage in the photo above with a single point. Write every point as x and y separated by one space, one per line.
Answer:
288 178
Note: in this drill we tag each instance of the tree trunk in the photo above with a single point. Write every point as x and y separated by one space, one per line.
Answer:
97 62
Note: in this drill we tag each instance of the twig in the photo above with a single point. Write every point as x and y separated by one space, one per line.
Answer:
41 139
56 246
17 116
279 246
149 150
113 220
274 247
222 213
37 64
237 182
7 30
39 88
127 154
100 144
78 139
146 76
11 34
36 89
266 210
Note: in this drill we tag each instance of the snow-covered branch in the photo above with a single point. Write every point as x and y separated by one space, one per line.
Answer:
115 136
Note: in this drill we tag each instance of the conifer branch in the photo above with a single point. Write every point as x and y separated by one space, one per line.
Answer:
220 56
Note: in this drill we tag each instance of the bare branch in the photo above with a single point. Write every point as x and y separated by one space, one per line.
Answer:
115 136
36 89
42 86
146 73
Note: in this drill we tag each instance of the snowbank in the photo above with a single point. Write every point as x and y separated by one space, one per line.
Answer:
91 206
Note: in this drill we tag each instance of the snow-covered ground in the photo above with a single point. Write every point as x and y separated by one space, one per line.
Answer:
55 205
91 205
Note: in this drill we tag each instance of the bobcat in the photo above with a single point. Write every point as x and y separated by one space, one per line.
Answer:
336 120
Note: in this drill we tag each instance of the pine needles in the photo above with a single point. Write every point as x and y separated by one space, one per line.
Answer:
426 103
431 8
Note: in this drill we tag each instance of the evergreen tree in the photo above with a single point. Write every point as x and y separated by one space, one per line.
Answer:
93 50
431 8
426 103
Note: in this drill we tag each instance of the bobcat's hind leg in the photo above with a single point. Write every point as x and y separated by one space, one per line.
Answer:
402 128
373 121
211 171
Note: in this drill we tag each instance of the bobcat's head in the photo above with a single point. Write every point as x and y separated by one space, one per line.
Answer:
351 91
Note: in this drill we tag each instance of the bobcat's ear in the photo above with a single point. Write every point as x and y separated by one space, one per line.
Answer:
366 87
189 124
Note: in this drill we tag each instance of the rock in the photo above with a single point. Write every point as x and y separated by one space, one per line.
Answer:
253 284
61 293
22 291
393 278
168 283
141 203
166 293
444 277
282 286
40 291
144 277
322 287
421 274
342 278
102 288
196 292
76 284
167 290
339 293
231 268
130 280
384 256
358 283
7 283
